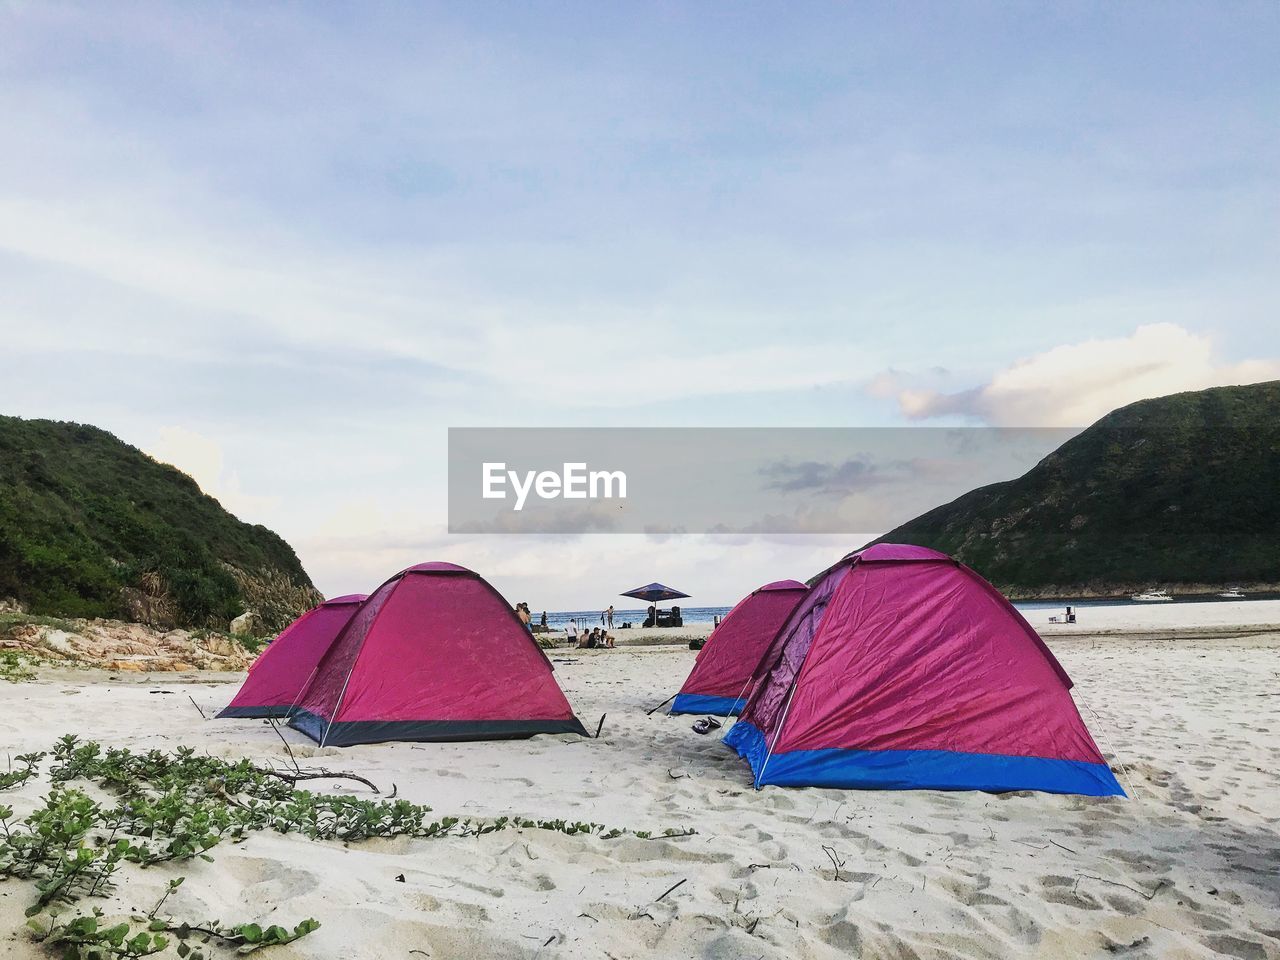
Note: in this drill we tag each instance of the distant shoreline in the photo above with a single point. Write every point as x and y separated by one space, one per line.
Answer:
1185 593
698 616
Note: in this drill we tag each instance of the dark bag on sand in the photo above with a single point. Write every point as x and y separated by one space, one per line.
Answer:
696 644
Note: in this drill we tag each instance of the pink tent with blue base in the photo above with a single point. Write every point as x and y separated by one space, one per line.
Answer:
435 653
719 680
903 668
277 677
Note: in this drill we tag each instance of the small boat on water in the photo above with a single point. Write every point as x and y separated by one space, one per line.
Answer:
1152 596
1231 593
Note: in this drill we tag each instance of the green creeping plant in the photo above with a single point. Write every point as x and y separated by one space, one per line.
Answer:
177 806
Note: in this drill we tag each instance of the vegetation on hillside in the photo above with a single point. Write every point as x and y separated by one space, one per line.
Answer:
1175 490
90 526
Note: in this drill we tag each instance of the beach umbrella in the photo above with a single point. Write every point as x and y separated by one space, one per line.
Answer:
654 593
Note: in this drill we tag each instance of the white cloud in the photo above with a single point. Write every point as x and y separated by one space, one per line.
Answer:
202 459
570 572
1075 384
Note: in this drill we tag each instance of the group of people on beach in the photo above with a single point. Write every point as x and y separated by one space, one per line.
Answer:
582 639
587 639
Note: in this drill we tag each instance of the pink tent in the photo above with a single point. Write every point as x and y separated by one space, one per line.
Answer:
903 668
279 674
719 680
434 654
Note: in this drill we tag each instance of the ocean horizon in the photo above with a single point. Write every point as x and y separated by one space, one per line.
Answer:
558 619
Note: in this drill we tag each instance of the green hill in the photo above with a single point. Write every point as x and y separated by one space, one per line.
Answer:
1180 491
90 526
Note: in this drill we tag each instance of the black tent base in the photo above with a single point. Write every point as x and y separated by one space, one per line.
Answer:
351 732
254 713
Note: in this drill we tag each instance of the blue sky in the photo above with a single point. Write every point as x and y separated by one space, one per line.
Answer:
286 246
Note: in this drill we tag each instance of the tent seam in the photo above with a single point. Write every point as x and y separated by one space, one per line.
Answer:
355 661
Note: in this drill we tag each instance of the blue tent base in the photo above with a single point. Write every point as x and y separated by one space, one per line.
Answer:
701 703
276 712
918 769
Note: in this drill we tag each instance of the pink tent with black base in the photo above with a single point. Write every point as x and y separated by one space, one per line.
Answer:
719 680
280 673
902 668
435 653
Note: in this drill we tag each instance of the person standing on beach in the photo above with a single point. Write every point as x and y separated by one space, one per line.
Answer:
607 618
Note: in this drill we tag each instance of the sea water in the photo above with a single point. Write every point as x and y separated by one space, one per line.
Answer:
1033 609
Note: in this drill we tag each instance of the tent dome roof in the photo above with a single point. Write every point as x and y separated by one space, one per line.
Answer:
436 566
897 551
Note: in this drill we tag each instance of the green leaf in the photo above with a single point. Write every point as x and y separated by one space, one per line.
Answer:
140 943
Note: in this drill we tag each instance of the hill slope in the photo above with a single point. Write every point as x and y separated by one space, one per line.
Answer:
90 526
1182 491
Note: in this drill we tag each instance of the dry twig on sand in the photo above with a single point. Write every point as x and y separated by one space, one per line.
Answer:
836 862
1116 883
288 749
669 889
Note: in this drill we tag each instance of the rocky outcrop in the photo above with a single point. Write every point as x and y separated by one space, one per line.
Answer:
243 625
117 646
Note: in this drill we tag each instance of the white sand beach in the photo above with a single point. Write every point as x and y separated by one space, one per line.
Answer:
1186 868
1223 617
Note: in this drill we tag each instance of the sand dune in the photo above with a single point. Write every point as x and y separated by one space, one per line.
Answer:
1186 869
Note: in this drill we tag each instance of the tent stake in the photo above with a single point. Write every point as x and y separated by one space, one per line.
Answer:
600 725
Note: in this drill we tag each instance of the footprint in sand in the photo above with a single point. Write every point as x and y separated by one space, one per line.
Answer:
1234 946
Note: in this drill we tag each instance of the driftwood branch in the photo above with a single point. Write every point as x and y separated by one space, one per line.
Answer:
317 775
670 836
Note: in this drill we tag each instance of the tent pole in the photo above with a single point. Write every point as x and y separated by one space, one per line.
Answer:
795 685
737 716
338 706
301 691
